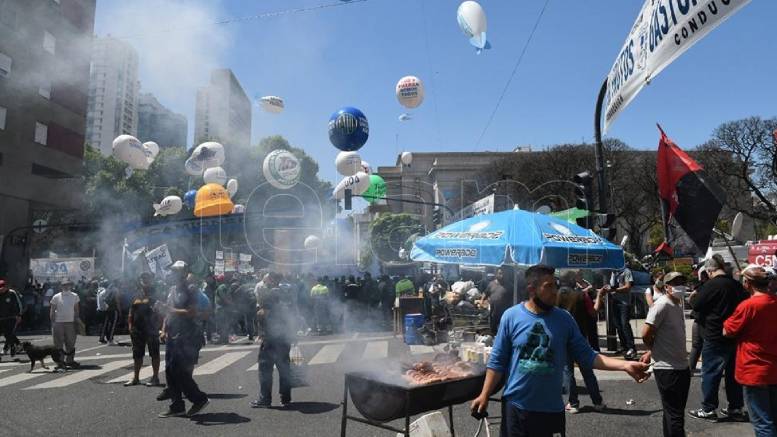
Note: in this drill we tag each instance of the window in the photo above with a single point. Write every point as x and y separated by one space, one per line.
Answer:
5 65
41 133
49 42
45 89
3 112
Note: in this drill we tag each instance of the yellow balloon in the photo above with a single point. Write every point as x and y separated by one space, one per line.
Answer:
212 200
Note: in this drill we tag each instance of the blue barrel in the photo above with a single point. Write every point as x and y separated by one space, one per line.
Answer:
412 323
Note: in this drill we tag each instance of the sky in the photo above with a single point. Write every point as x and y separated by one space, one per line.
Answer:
353 54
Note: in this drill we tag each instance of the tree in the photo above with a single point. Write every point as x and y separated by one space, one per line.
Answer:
389 233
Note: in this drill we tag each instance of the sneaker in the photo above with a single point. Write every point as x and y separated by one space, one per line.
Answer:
631 354
103 341
260 404
196 408
735 414
165 395
73 365
153 382
285 401
599 408
701 414
111 343
571 409
131 382
171 413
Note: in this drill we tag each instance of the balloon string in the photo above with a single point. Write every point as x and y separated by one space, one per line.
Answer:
515 70
431 74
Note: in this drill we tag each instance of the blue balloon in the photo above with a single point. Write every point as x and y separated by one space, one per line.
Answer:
348 129
189 198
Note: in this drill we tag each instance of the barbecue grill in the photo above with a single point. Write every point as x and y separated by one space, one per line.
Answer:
380 402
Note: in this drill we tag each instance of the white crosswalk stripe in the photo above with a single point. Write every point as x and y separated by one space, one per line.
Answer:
145 372
375 350
328 354
219 363
417 349
71 378
253 368
13 379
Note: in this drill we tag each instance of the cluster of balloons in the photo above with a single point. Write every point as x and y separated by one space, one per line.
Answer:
472 21
130 151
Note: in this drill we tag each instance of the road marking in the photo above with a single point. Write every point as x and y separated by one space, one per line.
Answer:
145 372
81 375
328 354
375 350
91 349
20 377
219 363
253 368
417 349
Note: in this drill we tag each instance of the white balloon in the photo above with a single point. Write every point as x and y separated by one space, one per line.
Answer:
407 158
206 155
348 163
129 150
232 187
366 167
312 241
281 169
272 104
357 183
238 209
193 168
410 92
472 21
405 117
215 175
152 150
170 205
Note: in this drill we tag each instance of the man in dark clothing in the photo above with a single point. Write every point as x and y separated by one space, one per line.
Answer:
500 298
182 335
387 295
275 322
713 303
143 325
10 317
210 292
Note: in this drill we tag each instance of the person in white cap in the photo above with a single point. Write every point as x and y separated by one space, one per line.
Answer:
64 314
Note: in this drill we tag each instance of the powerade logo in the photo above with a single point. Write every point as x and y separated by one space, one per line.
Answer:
571 238
456 253
583 259
495 235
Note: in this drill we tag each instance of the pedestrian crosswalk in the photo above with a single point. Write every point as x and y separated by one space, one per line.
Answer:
116 367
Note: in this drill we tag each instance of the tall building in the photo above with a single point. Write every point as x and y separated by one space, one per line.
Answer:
44 83
113 93
223 111
159 124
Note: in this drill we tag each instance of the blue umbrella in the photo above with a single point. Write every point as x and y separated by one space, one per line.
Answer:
521 238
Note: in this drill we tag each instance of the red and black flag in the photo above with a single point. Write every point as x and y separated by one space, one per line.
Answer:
688 195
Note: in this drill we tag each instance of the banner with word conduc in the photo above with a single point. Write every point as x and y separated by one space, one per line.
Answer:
664 30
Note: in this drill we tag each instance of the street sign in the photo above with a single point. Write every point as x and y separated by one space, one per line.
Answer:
39 226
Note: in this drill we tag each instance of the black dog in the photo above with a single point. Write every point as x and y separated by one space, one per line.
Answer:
39 353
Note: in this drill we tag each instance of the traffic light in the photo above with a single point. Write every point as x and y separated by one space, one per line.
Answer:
437 216
347 199
584 192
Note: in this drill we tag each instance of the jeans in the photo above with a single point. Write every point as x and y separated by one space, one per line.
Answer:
762 405
180 358
591 384
274 353
673 386
522 423
719 358
697 342
8 326
109 324
622 325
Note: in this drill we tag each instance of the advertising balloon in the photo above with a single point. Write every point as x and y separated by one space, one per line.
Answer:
376 190
348 163
272 104
129 150
205 156
357 183
406 158
281 169
472 21
366 167
405 117
188 198
212 200
170 205
312 242
348 129
152 150
410 92
239 209
232 187
215 175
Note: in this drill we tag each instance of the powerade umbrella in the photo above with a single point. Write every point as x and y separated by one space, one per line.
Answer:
521 238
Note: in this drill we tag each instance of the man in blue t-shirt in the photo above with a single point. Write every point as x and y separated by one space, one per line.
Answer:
531 350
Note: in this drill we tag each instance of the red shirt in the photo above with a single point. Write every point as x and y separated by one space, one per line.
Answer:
753 323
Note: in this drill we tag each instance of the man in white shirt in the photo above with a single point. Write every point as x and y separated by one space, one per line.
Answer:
64 314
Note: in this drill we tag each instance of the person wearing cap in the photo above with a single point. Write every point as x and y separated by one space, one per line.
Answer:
10 317
752 326
64 315
714 302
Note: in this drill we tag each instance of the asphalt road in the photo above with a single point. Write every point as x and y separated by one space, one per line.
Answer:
87 402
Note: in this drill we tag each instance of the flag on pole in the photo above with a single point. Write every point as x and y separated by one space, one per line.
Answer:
687 194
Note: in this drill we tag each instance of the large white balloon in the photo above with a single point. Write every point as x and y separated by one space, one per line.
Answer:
170 205
312 242
272 104
472 21
152 150
204 156
407 158
232 187
281 169
410 92
215 175
366 167
348 163
129 150
357 183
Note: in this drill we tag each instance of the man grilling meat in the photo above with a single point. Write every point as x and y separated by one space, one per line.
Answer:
530 352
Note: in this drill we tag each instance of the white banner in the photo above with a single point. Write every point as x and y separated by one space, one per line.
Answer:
159 260
664 30
479 207
244 265
59 269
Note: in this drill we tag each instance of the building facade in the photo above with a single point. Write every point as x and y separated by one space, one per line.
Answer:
158 124
44 84
223 111
113 93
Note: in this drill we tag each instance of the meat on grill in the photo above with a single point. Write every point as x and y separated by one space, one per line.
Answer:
428 372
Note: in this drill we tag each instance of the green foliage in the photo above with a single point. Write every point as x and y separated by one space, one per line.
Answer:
390 232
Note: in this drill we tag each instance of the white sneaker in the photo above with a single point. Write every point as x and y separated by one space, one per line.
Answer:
111 343
571 410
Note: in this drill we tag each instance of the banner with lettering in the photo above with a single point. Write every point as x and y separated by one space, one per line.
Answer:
59 269
664 30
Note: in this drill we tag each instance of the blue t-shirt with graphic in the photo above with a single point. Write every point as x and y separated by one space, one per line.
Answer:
530 350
